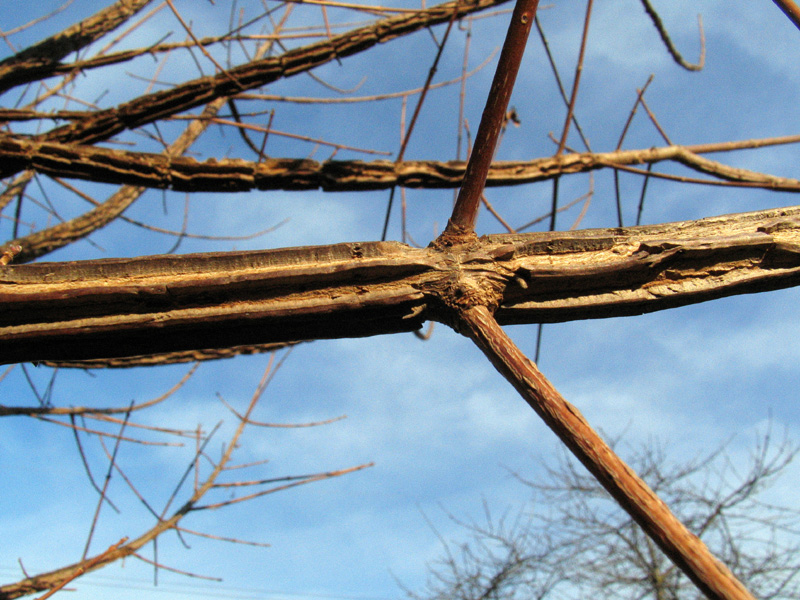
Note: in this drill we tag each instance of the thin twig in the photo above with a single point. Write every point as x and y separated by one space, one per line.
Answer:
676 56
111 462
415 115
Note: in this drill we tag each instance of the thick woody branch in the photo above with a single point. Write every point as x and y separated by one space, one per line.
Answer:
41 242
685 549
145 109
151 305
180 173
42 60
167 358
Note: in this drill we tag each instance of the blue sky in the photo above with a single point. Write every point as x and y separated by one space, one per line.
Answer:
443 429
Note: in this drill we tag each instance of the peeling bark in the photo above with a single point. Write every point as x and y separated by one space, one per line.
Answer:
103 124
156 304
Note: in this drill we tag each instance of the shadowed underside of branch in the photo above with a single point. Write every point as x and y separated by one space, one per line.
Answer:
114 308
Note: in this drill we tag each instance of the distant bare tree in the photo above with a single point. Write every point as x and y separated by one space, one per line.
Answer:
570 541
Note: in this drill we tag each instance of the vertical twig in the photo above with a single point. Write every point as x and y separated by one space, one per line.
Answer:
417 109
101 500
465 212
631 114
462 94
571 108
642 195
576 83
685 549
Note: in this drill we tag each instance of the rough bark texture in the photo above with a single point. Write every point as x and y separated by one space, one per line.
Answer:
103 124
41 60
123 307
184 174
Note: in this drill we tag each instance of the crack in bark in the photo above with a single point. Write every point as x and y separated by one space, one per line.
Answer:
42 60
180 173
122 307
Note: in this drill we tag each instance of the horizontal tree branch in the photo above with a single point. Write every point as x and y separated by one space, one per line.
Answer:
182 173
167 358
124 307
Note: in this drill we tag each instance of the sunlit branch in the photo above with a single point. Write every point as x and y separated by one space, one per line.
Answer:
465 212
180 173
84 310
684 548
106 123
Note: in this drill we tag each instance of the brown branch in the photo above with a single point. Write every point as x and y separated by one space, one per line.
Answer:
465 212
89 565
55 578
180 173
168 358
673 51
41 60
145 109
42 242
117 307
790 9
685 549
6 411
562 143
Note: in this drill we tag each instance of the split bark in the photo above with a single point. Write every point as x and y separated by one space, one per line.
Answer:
185 174
124 307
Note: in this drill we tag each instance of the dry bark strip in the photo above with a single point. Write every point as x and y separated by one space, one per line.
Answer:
126 307
186 174
686 550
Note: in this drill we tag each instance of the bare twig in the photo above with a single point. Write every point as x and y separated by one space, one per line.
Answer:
673 51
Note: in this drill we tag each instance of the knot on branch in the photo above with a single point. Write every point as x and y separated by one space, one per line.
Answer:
466 286
459 292
455 236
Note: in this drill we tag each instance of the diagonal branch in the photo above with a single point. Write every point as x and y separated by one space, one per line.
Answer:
685 549
465 211
790 9
673 51
42 59
166 522
58 236
145 109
